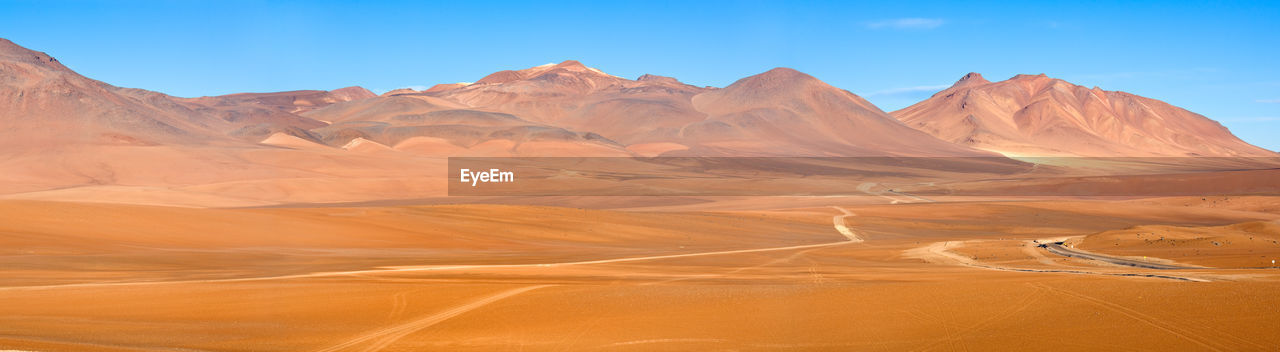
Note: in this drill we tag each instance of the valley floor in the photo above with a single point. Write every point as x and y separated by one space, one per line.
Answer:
838 274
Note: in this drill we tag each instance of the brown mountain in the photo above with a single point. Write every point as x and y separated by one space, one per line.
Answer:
572 95
292 101
44 104
780 112
425 124
577 97
1038 115
567 103
784 111
67 137
255 116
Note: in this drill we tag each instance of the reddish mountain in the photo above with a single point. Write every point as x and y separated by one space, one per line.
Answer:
780 112
546 93
258 115
446 86
554 102
784 111
1038 115
68 137
43 104
292 101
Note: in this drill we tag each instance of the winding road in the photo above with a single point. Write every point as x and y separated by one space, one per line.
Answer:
380 338
842 227
1059 249
838 221
939 252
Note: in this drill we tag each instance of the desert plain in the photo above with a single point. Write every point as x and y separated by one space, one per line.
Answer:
856 274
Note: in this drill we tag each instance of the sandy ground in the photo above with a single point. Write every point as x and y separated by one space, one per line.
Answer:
1253 244
908 276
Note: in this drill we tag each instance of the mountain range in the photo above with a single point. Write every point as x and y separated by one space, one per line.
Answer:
570 108
63 130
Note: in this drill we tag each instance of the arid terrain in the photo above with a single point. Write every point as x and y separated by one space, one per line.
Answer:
319 220
853 275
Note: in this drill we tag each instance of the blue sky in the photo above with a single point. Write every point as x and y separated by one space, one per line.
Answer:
1216 59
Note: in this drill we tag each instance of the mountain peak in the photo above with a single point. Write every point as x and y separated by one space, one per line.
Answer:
566 65
10 51
972 78
399 91
1041 115
777 78
657 79
785 72
503 76
1019 77
446 87
773 86
8 48
353 93
570 66
798 112
570 63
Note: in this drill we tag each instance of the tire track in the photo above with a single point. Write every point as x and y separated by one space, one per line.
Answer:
1022 305
842 227
837 221
1061 250
381 338
1136 315
938 250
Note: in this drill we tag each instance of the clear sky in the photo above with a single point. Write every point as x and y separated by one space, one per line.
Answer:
1217 59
